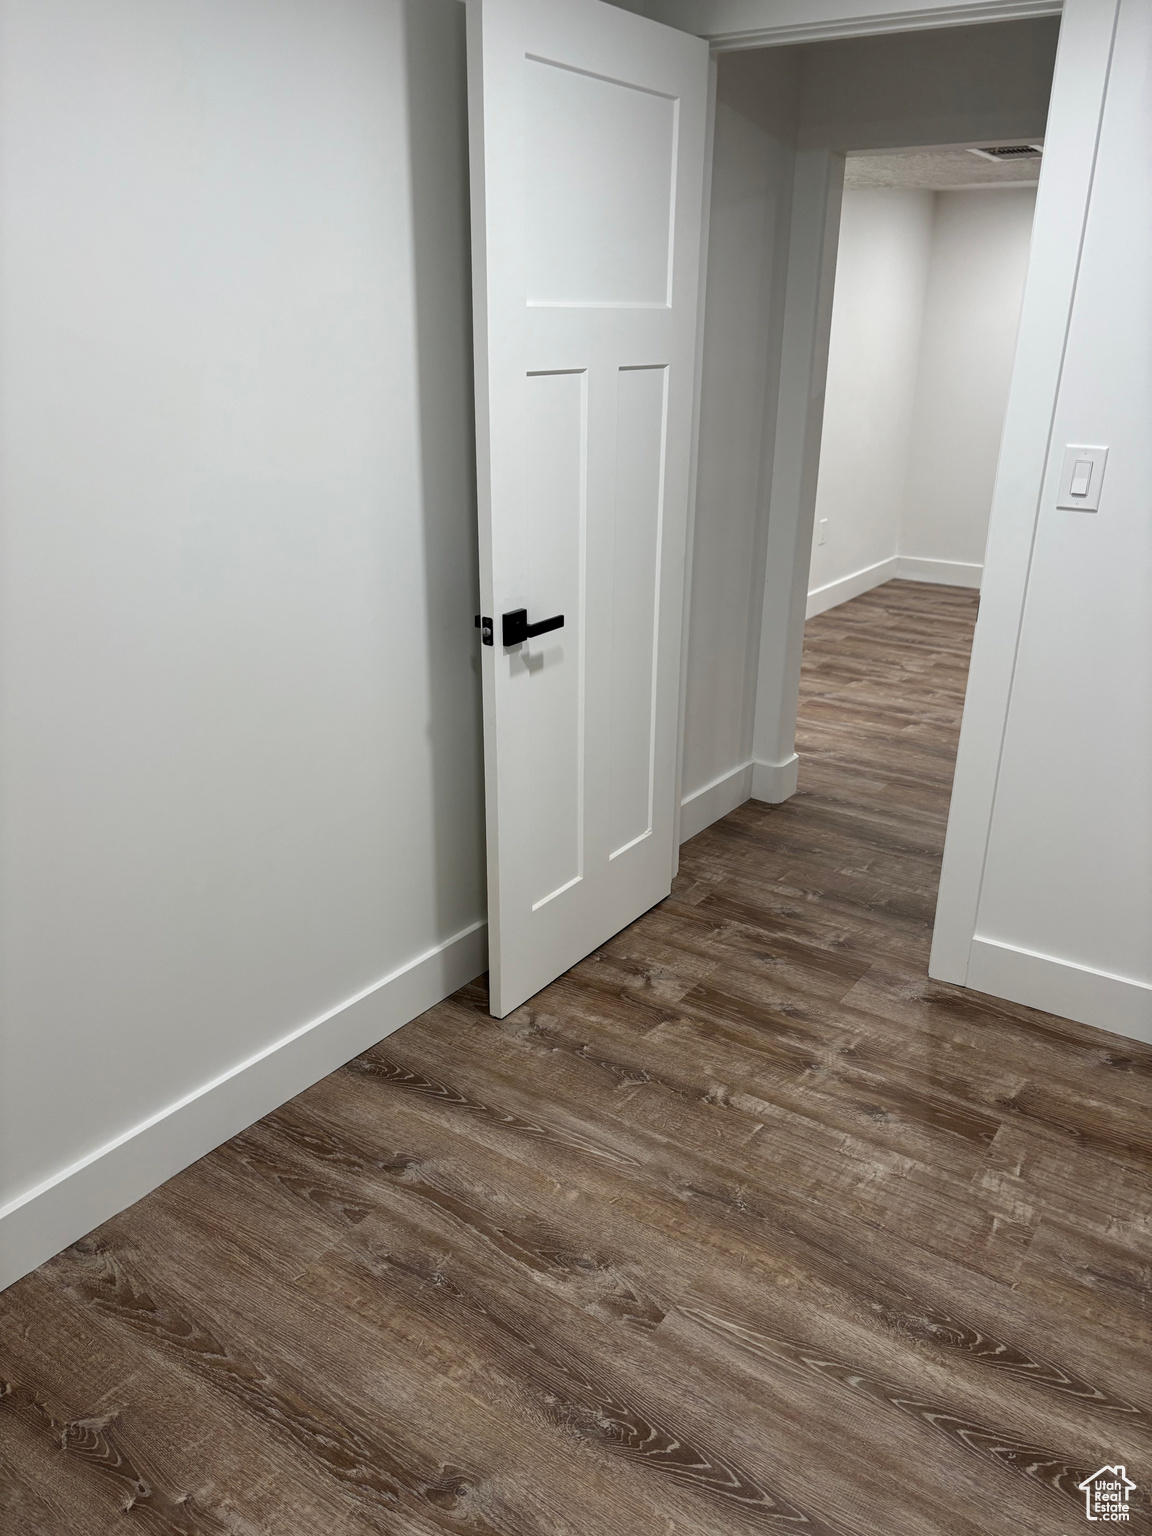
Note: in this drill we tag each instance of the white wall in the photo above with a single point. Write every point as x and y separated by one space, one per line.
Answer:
747 259
1064 919
240 733
979 258
882 270
958 85
927 307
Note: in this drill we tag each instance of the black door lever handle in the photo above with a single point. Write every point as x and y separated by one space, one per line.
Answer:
515 628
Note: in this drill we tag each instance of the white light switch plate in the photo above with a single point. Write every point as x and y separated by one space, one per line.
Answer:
1081 478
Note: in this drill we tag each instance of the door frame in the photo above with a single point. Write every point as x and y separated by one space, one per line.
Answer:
794 21
1076 109
1079 89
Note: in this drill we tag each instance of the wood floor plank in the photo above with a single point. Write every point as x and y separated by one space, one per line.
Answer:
590 1381
743 1225
349 1427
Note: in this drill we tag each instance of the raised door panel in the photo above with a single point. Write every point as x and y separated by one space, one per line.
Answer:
601 158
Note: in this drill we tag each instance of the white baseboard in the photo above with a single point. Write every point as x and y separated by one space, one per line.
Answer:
62 1209
774 782
704 806
947 573
833 593
771 782
1115 1003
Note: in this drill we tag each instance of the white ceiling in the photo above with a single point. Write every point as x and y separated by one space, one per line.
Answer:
936 169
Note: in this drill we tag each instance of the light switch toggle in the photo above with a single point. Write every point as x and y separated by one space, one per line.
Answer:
1081 477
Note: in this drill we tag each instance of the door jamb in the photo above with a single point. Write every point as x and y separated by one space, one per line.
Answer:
912 18
694 458
795 433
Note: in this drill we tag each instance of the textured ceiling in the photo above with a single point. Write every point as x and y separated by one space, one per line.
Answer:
936 169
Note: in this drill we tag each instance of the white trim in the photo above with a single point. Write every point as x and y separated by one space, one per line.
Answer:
729 24
845 588
947 573
988 186
678 834
774 782
793 429
1116 1003
704 806
45 1219
879 22
769 782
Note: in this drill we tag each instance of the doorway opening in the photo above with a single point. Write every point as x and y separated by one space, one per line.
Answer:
930 269
871 215
931 263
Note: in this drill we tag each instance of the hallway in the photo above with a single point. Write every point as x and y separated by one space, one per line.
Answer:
742 1225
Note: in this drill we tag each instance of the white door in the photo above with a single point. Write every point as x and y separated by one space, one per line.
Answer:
587 131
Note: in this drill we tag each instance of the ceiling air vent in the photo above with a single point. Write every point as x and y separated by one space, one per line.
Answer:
1009 152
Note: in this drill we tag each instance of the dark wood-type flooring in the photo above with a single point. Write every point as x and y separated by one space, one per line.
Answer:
744 1225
